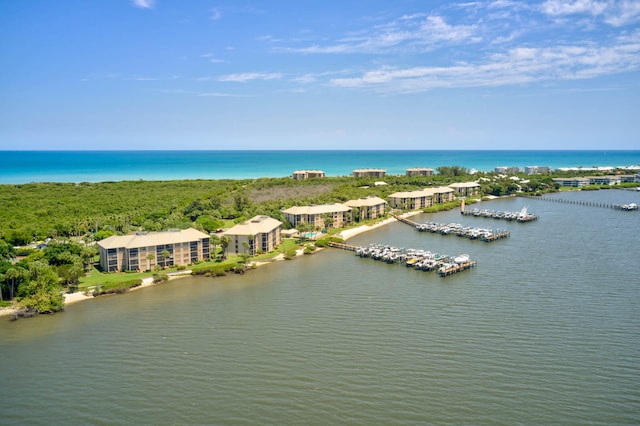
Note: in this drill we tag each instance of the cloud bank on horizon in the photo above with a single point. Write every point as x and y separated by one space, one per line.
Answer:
360 74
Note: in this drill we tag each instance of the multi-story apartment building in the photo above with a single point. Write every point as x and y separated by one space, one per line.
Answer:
466 189
261 234
364 173
427 197
142 251
419 171
367 207
319 216
307 174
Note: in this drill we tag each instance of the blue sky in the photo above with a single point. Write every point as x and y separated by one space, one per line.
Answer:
284 74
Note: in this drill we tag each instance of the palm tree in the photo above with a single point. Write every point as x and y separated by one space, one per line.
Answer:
14 274
224 241
165 255
150 258
215 240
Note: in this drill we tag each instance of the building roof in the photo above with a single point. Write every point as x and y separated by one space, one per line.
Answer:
257 225
365 202
464 185
150 239
369 170
419 169
317 209
427 192
308 171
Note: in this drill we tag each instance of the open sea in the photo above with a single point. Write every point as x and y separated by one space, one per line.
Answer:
99 166
544 331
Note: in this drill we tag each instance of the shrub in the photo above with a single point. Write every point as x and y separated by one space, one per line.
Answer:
116 288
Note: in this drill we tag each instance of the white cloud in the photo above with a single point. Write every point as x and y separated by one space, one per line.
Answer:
516 66
410 32
563 7
244 77
143 4
624 13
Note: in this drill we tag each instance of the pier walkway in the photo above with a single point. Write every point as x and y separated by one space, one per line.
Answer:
623 207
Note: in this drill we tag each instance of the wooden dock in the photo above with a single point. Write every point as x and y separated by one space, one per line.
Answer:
455 268
494 237
343 246
419 260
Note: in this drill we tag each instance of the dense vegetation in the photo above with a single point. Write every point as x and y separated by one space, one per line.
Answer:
72 216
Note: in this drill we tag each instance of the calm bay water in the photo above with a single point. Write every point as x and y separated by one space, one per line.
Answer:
99 166
546 330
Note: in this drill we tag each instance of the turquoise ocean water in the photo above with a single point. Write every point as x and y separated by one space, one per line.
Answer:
97 166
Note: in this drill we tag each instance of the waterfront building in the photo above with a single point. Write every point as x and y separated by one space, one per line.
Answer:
466 189
575 181
604 180
144 250
368 207
364 173
627 178
308 174
414 200
420 171
261 234
318 215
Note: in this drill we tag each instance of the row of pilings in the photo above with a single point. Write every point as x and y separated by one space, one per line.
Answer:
578 202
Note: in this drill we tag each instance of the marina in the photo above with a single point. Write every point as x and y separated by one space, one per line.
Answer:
522 216
420 260
482 234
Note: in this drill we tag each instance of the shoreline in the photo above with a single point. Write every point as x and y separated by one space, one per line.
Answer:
71 298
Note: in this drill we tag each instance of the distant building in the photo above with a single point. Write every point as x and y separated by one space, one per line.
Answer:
308 174
604 180
363 173
419 171
261 233
532 170
627 178
575 182
368 207
503 169
414 200
316 215
466 189
143 251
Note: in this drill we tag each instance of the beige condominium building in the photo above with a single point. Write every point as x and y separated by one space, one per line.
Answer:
319 216
367 207
364 173
427 197
261 234
419 171
307 174
466 189
144 250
